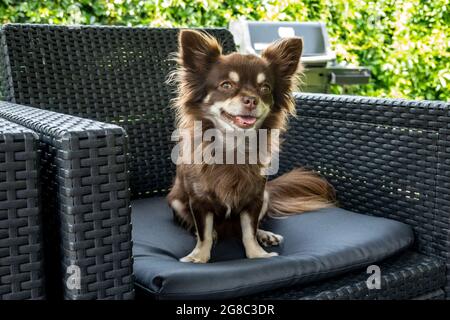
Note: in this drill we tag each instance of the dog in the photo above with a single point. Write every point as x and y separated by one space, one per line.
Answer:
237 92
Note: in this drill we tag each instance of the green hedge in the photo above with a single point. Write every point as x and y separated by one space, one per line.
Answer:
406 44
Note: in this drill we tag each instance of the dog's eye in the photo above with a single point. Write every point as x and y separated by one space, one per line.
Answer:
265 89
226 85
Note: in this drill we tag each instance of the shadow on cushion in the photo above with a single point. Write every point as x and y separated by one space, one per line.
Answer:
316 245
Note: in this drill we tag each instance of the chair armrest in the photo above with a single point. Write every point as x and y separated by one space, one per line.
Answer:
21 262
386 157
86 203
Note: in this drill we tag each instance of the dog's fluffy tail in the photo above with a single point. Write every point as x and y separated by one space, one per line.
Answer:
299 191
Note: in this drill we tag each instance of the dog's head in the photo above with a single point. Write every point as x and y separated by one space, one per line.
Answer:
236 91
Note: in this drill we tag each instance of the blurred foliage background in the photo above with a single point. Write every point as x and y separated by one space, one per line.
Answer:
406 43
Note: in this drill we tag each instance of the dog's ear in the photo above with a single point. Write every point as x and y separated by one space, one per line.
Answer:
284 55
198 50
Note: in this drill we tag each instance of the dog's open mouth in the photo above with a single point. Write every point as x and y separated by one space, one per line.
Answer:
242 121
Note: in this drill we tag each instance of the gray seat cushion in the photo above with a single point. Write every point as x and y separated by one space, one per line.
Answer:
317 245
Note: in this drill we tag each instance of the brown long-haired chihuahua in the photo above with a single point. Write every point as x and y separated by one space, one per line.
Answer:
241 93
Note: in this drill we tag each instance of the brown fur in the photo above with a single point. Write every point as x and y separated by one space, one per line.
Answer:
233 189
299 191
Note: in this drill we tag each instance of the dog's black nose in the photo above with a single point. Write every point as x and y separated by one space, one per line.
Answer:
250 102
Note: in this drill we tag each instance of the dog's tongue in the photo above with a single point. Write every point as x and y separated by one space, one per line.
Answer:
245 120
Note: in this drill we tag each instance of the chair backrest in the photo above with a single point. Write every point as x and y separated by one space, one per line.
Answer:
110 74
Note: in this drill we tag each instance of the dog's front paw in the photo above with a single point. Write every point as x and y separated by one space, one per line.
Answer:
196 258
267 238
260 253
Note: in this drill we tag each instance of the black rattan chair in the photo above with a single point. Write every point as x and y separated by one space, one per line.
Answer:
387 157
21 261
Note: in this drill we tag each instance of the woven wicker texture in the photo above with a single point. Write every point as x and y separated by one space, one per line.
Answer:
21 266
389 158
385 157
86 202
410 275
435 295
110 74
